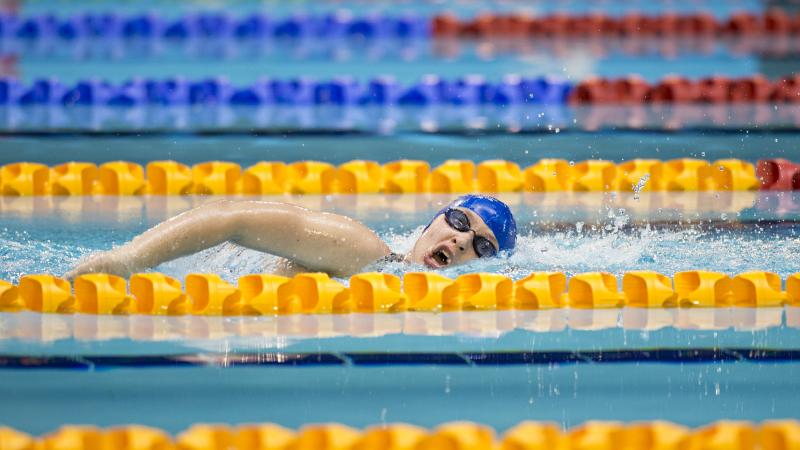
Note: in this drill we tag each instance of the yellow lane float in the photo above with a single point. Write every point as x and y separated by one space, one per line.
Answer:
529 435
369 177
374 292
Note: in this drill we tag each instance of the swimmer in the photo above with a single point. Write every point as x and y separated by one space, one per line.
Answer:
472 226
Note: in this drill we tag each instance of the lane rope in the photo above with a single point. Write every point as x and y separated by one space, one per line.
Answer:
768 435
465 92
340 25
154 293
396 177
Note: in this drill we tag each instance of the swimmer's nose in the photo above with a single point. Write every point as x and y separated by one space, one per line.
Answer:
460 245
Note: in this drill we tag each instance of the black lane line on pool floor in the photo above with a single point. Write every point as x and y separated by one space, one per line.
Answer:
668 356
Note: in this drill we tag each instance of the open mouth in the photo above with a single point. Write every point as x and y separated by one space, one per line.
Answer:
439 257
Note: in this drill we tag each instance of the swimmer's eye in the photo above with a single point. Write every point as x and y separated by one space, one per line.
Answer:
459 221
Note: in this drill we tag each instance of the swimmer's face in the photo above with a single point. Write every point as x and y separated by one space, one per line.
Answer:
443 246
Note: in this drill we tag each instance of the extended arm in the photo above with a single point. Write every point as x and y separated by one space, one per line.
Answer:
318 241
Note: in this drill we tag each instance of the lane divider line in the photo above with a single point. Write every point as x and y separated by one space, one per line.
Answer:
315 293
466 92
768 435
124 178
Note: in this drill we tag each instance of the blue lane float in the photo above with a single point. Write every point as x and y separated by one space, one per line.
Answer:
431 90
212 25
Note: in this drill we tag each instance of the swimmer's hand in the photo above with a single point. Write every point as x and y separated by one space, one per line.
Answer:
110 262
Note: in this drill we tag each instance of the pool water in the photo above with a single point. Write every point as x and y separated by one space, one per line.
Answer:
558 232
427 395
435 147
244 61
688 365
467 8
406 61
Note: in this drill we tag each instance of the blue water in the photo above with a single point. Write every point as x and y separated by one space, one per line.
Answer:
524 149
244 62
173 399
720 8
407 60
568 232
749 130
561 232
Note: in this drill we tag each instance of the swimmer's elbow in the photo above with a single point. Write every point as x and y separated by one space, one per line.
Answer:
225 216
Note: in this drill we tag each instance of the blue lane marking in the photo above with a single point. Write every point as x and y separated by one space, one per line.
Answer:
469 91
680 356
213 25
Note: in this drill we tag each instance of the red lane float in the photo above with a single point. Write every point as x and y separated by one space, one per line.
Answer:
676 89
778 175
488 25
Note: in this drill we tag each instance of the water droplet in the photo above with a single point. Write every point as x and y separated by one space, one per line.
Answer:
640 185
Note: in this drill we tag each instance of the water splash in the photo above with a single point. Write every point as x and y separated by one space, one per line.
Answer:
640 185
613 246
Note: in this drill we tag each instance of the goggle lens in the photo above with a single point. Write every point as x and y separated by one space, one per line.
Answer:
483 247
459 221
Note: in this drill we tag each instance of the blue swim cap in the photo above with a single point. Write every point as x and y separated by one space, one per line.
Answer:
496 214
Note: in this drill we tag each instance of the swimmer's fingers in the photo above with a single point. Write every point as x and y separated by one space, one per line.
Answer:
86 265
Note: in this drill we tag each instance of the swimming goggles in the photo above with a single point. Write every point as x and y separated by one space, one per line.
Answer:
459 221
